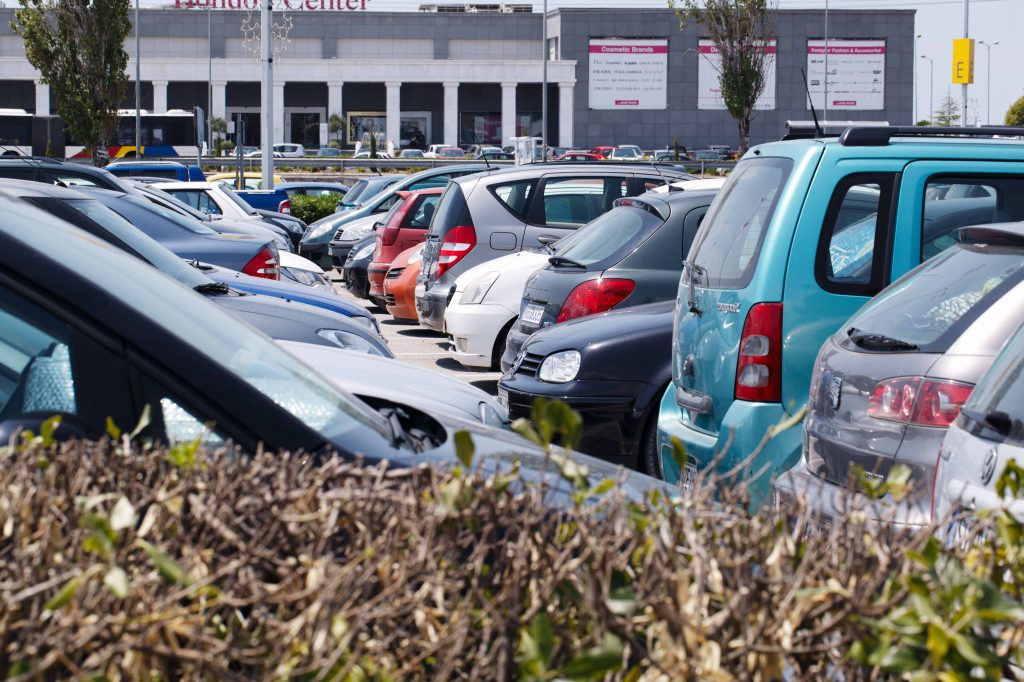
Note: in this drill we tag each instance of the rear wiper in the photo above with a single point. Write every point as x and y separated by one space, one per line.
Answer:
562 260
693 272
878 341
212 288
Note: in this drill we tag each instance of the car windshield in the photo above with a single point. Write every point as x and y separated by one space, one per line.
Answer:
352 197
239 201
157 195
932 305
728 243
617 231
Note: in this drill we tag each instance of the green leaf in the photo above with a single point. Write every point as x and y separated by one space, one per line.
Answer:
116 581
543 635
165 566
678 453
65 593
144 420
112 430
122 515
937 643
47 428
596 662
464 448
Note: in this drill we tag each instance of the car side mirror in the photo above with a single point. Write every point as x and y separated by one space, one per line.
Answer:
70 427
546 239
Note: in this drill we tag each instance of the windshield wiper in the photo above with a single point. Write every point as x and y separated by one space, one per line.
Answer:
212 288
413 439
878 341
562 260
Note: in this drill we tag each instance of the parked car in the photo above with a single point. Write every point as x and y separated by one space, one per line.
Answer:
379 381
93 211
626 153
411 154
629 256
365 189
199 367
405 225
289 150
433 149
706 155
348 232
54 172
774 271
986 436
328 151
612 368
579 156
170 170
483 217
450 153
476 150
400 284
250 180
495 155
365 154
887 385
357 264
305 272
315 189
276 199
603 151
725 152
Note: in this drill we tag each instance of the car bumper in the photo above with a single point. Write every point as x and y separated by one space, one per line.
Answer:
474 329
745 426
828 501
316 253
430 305
516 340
338 252
376 276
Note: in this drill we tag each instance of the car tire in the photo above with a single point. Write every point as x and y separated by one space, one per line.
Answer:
648 460
499 344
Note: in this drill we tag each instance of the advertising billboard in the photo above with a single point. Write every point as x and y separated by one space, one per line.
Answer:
628 74
709 63
856 74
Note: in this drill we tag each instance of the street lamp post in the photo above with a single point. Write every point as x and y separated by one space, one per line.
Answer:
916 38
931 85
138 88
988 77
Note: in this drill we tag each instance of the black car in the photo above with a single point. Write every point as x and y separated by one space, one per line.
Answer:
95 335
357 265
628 256
612 368
54 172
275 317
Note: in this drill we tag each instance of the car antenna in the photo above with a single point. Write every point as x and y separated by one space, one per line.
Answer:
818 132
34 162
486 162
654 165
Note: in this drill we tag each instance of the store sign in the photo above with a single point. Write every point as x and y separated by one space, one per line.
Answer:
279 5
709 66
628 74
856 74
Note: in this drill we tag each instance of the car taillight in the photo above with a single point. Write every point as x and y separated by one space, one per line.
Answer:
264 264
595 296
285 207
918 401
387 236
759 367
457 243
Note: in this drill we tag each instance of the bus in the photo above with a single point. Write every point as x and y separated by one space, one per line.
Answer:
162 134
15 132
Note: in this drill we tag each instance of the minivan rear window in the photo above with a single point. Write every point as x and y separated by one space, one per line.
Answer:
726 249
451 212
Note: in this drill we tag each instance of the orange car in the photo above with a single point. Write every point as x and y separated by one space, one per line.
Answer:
400 284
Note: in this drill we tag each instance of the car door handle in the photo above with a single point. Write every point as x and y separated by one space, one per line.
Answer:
548 238
700 404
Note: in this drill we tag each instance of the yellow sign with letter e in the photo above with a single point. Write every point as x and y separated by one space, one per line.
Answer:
963 61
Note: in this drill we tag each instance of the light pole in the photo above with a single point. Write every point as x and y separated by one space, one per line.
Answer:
544 86
988 78
931 86
138 88
916 38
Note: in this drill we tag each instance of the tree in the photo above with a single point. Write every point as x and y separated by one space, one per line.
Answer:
948 113
78 48
740 30
1015 114
335 124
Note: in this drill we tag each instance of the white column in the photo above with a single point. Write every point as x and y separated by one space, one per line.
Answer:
451 114
565 114
160 96
508 112
278 135
394 113
219 103
334 105
42 99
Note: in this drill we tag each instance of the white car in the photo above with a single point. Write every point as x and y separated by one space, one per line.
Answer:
304 271
259 155
433 149
689 186
486 305
212 198
289 150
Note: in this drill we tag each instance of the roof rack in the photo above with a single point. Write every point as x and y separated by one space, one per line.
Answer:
880 136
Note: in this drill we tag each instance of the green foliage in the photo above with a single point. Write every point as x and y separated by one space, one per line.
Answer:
78 48
675 148
335 124
309 209
373 145
923 122
1015 114
948 112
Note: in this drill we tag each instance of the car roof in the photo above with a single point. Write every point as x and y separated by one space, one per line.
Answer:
563 168
155 164
173 184
29 188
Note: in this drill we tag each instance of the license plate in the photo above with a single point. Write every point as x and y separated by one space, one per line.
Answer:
503 397
689 477
533 313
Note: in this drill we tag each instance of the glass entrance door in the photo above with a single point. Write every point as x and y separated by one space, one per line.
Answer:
305 129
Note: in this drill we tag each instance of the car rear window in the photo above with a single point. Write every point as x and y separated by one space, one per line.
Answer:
618 231
932 305
729 242
451 212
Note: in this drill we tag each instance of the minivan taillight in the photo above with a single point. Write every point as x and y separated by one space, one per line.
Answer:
263 264
285 207
759 367
459 241
388 236
595 296
918 401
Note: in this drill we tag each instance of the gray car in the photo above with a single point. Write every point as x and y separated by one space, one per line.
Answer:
482 217
887 385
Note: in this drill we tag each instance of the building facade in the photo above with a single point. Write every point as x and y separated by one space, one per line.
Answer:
458 78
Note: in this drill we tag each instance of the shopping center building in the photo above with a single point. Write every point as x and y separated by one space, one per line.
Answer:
452 76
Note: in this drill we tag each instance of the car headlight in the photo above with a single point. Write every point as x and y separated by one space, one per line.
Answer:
318 230
491 415
560 367
293 226
478 288
283 244
363 252
349 341
367 321
355 233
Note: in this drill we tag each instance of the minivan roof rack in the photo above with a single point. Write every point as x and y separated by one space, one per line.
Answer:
880 136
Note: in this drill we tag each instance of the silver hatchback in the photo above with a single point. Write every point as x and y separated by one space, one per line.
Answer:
887 385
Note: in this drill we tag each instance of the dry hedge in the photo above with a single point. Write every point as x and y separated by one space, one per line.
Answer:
118 563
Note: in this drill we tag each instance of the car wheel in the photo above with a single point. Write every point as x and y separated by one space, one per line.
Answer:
499 344
648 459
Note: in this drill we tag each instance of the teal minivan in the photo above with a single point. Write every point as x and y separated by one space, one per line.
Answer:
802 234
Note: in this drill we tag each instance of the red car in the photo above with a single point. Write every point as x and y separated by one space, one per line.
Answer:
602 152
579 156
404 226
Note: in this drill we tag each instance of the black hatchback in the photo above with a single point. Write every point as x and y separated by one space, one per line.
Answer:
631 255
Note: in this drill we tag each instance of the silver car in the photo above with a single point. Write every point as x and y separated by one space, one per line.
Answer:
887 385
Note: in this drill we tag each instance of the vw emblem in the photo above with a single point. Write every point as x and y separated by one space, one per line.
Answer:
515 363
988 467
835 392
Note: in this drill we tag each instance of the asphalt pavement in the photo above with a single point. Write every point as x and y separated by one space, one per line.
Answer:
421 346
